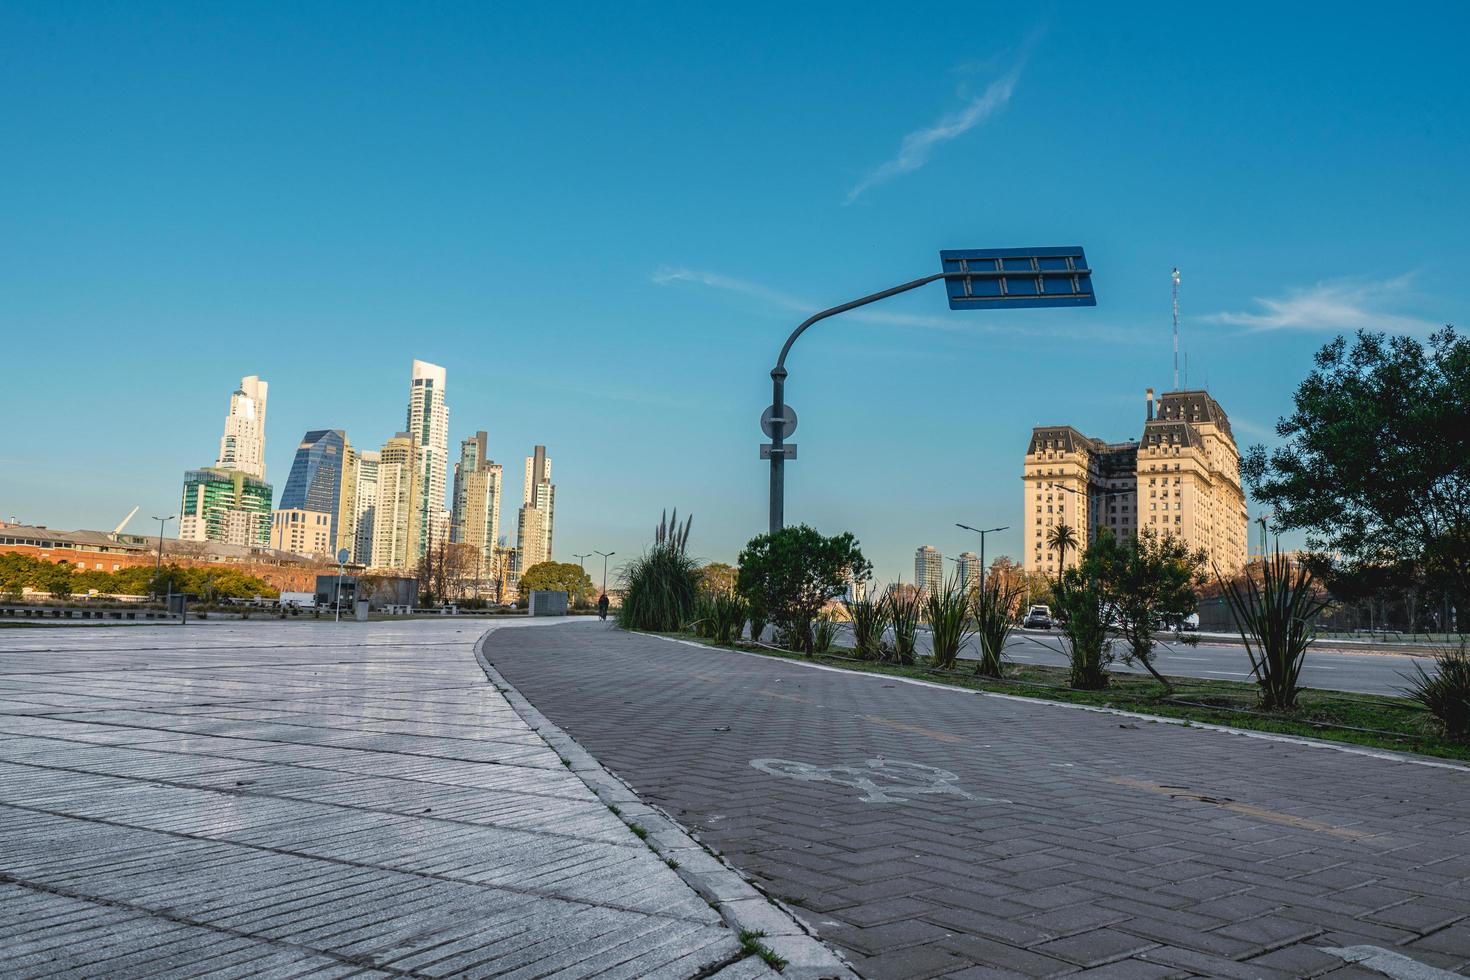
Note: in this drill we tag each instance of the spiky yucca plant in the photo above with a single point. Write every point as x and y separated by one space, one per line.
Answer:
995 617
904 610
1274 619
869 623
947 610
1445 694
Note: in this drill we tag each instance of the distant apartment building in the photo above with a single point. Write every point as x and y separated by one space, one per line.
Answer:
398 510
477 493
507 574
928 570
536 524
302 532
315 483
428 428
242 447
968 570
361 504
1182 479
227 506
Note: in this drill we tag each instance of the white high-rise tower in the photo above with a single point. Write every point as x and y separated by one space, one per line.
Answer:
242 447
428 427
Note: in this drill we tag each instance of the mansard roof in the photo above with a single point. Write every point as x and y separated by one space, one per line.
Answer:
1193 406
1167 432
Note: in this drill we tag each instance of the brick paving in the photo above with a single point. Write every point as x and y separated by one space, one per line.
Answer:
1069 842
303 800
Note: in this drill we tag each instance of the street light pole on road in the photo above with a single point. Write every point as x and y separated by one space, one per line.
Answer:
158 563
976 279
605 556
988 530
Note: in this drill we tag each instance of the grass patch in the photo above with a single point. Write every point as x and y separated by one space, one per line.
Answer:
672 863
638 831
751 945
1371 720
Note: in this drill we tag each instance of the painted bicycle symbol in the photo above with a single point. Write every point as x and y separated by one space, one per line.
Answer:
881 780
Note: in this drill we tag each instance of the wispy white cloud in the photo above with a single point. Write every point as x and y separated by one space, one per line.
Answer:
916 147
1333 305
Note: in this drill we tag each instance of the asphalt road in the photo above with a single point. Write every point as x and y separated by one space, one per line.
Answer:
1364 673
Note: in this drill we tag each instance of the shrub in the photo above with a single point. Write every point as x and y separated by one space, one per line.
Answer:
793 573
869 624
995 617
703 623
1274 619
903 613
1083 605
948 611
757 623
1445 694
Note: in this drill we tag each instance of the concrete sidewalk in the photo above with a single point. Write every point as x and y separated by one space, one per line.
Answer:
306 800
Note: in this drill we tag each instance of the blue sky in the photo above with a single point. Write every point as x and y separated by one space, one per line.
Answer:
604 220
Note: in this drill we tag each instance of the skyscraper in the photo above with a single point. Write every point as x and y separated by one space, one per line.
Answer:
364 504
928 570
534 532
242 447
397 513
226 506
477 482
230 502
428 427
969 571
315 483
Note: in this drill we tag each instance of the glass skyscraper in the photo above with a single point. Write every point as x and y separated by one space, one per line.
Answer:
315 482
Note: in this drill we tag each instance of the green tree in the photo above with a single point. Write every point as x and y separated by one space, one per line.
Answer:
58 581
1376 461
557 576
1145 580
1061 539
791 574
718 578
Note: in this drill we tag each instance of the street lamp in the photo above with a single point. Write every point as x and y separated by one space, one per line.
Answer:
605 556
975 279
988 530
582 559
158 564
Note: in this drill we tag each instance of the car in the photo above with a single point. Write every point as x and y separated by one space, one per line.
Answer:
1190 623
1037 617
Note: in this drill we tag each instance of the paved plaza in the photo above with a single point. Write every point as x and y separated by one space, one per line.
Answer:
291 800
933 832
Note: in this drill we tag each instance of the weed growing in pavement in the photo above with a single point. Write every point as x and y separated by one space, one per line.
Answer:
638 831
751 945
672 863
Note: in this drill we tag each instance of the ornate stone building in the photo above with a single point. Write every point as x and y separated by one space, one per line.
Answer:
1182 479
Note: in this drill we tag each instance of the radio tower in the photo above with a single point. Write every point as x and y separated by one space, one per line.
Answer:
1176 328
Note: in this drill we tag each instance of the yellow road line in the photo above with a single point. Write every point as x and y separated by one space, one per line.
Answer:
900 726
1245 809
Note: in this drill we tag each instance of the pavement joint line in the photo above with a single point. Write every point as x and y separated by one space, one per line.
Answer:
717 882
276 741
360 962
1310 743
343 862
315 801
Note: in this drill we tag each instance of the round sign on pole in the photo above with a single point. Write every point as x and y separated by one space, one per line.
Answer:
788 414
342 555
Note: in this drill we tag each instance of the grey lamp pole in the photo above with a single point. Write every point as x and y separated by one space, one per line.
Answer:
605 556
988 530
977 279
158 564
582 559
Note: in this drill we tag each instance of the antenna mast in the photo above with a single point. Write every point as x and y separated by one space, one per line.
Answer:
1176 328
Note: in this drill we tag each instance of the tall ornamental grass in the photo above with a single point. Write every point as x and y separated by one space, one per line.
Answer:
661 587
947 610
1274 618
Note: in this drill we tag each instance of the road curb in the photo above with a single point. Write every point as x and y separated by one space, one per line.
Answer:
740 903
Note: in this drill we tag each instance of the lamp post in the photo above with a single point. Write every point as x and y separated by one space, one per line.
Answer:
976 279
988 530
582 559
158 563
605 556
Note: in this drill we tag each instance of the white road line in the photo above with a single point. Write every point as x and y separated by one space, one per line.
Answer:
1391 964
1227 673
